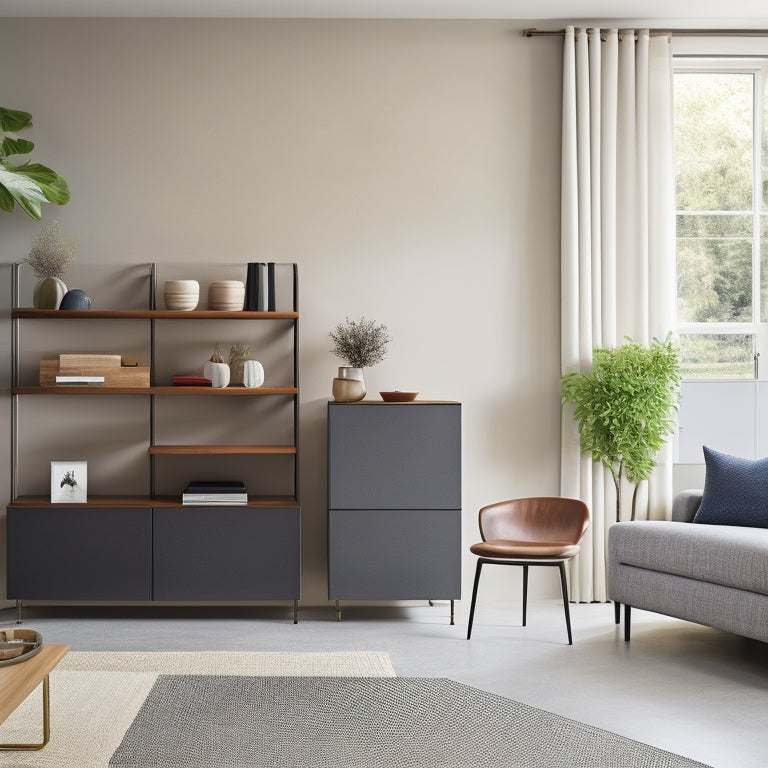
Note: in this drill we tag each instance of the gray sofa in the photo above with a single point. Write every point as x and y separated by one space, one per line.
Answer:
709 574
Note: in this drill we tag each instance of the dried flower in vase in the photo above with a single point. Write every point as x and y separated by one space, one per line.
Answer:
238 354
361 343
51 254
216 356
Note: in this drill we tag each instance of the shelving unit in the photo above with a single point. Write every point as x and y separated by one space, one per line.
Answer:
161 550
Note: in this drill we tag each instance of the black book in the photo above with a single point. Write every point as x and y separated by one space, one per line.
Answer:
271 302
215 486
251 287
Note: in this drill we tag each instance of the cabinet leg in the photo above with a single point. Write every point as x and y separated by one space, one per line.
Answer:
452 622
18 611
295 611
338 610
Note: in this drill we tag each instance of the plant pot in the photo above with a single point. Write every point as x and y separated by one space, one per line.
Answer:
348 390
349 372
48 293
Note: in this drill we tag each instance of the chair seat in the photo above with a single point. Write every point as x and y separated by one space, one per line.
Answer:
503 549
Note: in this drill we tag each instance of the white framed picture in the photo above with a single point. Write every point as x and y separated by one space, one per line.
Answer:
69 482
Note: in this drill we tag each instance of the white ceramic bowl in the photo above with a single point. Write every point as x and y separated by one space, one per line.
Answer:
181 294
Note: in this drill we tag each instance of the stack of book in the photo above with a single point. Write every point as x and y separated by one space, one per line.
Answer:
215 494
260 291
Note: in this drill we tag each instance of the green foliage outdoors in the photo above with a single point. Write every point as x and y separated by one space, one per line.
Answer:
27 184
713 159
625 408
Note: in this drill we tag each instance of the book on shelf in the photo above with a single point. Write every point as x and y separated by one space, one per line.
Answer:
271 287
263 282
215 486
215 493
214 499
79 379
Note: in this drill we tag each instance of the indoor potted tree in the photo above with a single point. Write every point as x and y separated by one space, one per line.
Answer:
625 406
27 184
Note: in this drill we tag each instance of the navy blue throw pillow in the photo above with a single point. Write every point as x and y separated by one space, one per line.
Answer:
735 491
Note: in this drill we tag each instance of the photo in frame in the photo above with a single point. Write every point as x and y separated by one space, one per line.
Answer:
69 482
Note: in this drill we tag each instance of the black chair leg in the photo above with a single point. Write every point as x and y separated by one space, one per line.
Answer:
617 611
525 594
564 584
627 621
474 597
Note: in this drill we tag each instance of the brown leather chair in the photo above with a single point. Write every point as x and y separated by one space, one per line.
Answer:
535 531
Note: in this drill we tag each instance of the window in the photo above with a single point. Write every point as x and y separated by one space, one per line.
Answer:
721 158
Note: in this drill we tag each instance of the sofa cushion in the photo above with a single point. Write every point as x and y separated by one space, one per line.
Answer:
735 491
733 556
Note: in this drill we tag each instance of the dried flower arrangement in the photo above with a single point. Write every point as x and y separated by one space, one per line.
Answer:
361 343
238 354
51 254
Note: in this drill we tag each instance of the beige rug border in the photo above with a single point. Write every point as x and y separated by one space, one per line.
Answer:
95 696
259 663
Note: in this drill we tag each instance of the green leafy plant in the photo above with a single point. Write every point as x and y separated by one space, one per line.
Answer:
27 184
625 408
361 343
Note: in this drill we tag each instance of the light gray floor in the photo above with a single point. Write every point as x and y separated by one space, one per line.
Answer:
681 687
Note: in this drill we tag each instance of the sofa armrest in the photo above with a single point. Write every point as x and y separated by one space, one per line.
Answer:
686 504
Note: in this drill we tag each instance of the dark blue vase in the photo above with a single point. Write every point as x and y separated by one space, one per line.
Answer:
75 299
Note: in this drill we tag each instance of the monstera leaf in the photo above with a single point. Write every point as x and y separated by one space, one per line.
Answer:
27 184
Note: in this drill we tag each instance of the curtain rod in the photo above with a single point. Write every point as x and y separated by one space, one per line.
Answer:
533 32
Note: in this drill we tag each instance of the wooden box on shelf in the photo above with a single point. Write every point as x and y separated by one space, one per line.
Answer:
115 374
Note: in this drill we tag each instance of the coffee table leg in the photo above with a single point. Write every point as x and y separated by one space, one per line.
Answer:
46 723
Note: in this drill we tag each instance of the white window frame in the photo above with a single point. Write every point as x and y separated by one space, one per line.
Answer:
758 68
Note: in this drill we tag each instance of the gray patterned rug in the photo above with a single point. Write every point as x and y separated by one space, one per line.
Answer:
361 722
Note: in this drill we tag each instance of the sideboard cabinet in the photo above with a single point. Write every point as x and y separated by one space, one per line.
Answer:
394 501
133 539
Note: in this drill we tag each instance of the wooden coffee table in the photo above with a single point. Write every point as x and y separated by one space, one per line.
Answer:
17 681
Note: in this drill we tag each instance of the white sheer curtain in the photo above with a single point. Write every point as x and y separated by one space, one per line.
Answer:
617 244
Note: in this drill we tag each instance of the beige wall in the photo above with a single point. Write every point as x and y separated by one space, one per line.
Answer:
410 168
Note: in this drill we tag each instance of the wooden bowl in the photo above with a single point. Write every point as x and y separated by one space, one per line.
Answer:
398 396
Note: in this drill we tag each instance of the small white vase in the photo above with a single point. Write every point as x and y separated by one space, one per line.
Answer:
218 373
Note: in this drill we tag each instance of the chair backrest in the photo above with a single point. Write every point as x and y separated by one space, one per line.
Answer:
544 518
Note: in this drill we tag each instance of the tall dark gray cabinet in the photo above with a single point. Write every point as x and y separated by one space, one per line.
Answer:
394 501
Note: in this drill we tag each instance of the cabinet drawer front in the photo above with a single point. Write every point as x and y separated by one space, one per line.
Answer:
227 553
400 554
394 456
79 553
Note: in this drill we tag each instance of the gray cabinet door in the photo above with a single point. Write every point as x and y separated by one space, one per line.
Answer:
400 554
394 455
82 553
227 553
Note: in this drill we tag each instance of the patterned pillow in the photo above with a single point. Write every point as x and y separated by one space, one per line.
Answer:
735 491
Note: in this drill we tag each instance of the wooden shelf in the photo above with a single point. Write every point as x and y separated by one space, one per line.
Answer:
205 450
144 502
100 389
29 313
